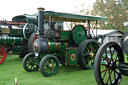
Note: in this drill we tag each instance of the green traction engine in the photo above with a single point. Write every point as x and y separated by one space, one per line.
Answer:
14 35
54 47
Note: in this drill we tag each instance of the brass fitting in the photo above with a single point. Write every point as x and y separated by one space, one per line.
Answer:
40 9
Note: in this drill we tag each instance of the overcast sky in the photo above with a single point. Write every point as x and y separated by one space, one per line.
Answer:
11 8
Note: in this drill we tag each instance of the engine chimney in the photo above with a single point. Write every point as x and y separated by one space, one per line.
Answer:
41 21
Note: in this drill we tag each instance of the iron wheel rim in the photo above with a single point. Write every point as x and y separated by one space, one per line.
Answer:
3 54
49 65
29 63
88 59
107 73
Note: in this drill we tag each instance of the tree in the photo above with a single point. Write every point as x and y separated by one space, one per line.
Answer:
125 4
115 12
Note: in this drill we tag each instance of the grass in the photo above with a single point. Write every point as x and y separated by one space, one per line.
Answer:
12 68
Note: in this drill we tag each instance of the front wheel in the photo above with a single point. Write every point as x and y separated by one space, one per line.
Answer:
106 62
49 65
30 62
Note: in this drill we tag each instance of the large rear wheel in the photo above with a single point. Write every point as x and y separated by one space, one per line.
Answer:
86 53
107 59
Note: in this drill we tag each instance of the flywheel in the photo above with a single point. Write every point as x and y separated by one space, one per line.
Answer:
79 34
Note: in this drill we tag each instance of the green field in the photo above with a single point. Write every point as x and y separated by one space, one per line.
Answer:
12 68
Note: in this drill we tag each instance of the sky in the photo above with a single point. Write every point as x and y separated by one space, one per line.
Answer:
11 8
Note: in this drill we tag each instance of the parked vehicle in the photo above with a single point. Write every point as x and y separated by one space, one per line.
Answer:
110 65
58 46
14 35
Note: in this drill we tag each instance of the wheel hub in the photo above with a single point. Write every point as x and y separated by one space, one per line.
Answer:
91 54
51 66
31 62
112 65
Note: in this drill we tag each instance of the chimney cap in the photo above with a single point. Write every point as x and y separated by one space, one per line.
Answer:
40 9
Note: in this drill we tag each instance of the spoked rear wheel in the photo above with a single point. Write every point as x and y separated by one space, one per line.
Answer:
107 58
86 53
3 54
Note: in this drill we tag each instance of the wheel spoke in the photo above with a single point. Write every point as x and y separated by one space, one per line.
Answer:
105 70
28 65
106 59
87 49
46 69
27 62
119 58
103 64
111 53
116 72
1 51
50 70
1 54
91 60
35 64
47 62
116 58
104 74
106 53
86 60
52 61
53 68
31 66
109 77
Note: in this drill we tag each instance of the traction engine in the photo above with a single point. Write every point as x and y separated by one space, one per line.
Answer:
14 37
110 65
54 47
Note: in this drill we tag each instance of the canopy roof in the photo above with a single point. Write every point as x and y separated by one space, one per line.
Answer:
25 18
58 16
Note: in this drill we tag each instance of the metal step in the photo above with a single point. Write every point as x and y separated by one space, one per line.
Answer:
123 67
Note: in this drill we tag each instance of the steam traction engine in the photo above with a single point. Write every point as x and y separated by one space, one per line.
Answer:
14 35
55 46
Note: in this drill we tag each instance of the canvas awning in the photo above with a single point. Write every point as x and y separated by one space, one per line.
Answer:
58 16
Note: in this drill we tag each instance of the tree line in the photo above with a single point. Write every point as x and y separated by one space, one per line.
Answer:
115 10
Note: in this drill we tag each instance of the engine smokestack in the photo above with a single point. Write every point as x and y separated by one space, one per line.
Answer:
41 21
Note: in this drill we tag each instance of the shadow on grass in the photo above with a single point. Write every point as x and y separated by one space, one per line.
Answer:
69 68
63 71
14 60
